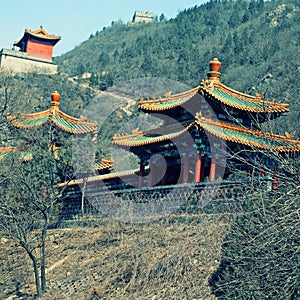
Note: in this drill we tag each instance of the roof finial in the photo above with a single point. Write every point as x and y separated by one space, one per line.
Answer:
214 69
55 96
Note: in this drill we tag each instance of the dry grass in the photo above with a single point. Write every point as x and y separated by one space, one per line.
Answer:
169 259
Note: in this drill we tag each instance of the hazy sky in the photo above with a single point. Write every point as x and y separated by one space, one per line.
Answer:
75 20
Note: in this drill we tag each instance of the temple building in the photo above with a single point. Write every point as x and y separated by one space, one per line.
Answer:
62 125
207 134
35 54
203 131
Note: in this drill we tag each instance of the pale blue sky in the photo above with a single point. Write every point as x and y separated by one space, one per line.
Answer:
75 20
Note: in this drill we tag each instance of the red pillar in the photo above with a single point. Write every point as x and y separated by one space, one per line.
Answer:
186 169
198 167
202 169
141 174
212 172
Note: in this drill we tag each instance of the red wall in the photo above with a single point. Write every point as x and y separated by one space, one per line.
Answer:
39 50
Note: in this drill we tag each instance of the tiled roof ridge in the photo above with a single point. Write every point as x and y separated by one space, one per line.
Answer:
16 120
155 132
24 155
41 32
100 177
87 126
55 116
292 145
106 160
170 96
149 104
128 140
218 85
208 87
104 163
134 134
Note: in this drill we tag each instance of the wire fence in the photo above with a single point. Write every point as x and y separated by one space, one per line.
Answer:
158 201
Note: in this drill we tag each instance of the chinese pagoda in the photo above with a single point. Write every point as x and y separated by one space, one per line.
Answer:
38 43
207 133
67 125
203 130
35 55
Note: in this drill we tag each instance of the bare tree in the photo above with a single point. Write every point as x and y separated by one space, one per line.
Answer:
261 253
29 200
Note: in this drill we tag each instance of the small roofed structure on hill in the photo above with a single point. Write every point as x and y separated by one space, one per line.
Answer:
142 17
35 54
64 123
38 43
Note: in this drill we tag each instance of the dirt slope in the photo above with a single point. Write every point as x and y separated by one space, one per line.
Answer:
168 259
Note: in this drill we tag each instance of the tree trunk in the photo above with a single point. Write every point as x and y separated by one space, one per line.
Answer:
36 272
43 258
82 196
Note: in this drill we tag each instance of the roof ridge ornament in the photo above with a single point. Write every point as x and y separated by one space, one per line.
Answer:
259 97
168 94
214 70
55 97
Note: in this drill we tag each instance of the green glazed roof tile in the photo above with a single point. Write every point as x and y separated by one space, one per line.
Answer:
33 122
232 99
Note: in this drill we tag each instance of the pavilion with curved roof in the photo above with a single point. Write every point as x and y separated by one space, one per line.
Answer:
65 123
218 119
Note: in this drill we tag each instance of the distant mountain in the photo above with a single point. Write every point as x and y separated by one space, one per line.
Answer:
257 42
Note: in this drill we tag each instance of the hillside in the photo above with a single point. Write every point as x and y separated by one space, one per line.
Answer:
257 43
251 39
169 259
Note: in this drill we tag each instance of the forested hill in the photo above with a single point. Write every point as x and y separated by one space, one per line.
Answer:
257 42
